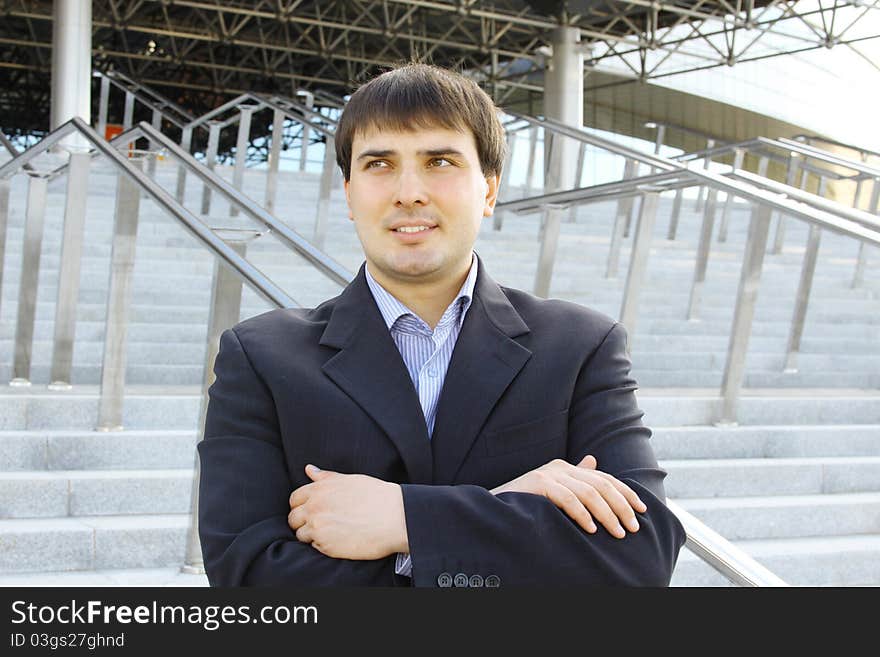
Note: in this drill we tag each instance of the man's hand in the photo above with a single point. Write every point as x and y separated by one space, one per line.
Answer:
581 490
349 516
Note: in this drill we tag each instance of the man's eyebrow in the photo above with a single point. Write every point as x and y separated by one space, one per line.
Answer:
432 152
375 153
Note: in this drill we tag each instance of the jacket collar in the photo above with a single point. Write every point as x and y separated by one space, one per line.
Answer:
369 368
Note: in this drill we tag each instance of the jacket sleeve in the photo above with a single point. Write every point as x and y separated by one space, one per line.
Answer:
244 487
524 539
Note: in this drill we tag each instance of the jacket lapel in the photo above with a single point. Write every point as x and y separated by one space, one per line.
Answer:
485 360
370 369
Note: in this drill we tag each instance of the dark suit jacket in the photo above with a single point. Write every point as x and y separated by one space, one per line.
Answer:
530 380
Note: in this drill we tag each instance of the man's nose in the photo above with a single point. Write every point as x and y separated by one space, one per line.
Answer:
411 190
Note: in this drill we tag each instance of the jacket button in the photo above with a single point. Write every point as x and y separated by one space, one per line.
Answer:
461 580
476 581
444 580
493 581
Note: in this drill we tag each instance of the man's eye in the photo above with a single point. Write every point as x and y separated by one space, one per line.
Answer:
440 162
376 164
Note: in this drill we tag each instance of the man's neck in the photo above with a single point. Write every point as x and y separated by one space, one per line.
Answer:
427 299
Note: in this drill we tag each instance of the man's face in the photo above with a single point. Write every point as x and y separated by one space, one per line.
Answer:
417 199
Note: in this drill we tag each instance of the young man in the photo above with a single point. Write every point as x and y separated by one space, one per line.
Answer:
428 427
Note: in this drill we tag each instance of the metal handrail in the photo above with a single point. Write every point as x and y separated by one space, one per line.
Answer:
290 237
725 557
154 100
719 182
260 283
786 145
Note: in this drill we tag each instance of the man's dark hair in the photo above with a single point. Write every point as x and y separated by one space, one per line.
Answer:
422 96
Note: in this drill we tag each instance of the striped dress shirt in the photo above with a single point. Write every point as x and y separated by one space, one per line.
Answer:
425 352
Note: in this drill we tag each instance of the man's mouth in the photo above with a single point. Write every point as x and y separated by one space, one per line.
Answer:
412 229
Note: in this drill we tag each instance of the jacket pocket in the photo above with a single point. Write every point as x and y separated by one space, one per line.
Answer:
522 436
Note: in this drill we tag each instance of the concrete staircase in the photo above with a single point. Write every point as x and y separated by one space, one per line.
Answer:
796 484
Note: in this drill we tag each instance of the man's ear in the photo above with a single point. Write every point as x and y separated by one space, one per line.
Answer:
345 185
492 184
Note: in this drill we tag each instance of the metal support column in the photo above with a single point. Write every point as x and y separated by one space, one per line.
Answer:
322 214
738 156
122 256
69 269
306 135
185 144
744 312
35 216
862 261
638 263
703 254
210 161
563 101
71 66
274 159
241 145
224 313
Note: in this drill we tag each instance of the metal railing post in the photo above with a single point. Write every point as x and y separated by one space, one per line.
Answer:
241 144
862 259
103 106
224 313
322 215
4 222
744 312
703 254
638 263
128 113
35 216
803 298
118 301
630 202
210 161
578 176
794 164
530 170
674 215
738 156
306 135
504 185
552 217
185 144
710 144
274 159
624 205
156 122
69 270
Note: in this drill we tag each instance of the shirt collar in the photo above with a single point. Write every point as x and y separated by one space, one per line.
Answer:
392 309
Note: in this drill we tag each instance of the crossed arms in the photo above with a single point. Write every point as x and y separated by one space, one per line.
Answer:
342 529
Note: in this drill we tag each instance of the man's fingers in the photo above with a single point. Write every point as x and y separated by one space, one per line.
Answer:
296 518
299 496
315 473
631 496
303 535
589 461
603 501
566 500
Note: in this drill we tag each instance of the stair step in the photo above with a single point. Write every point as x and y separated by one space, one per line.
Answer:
788 516
140 541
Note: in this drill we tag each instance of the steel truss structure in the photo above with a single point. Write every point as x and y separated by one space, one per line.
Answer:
201 52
